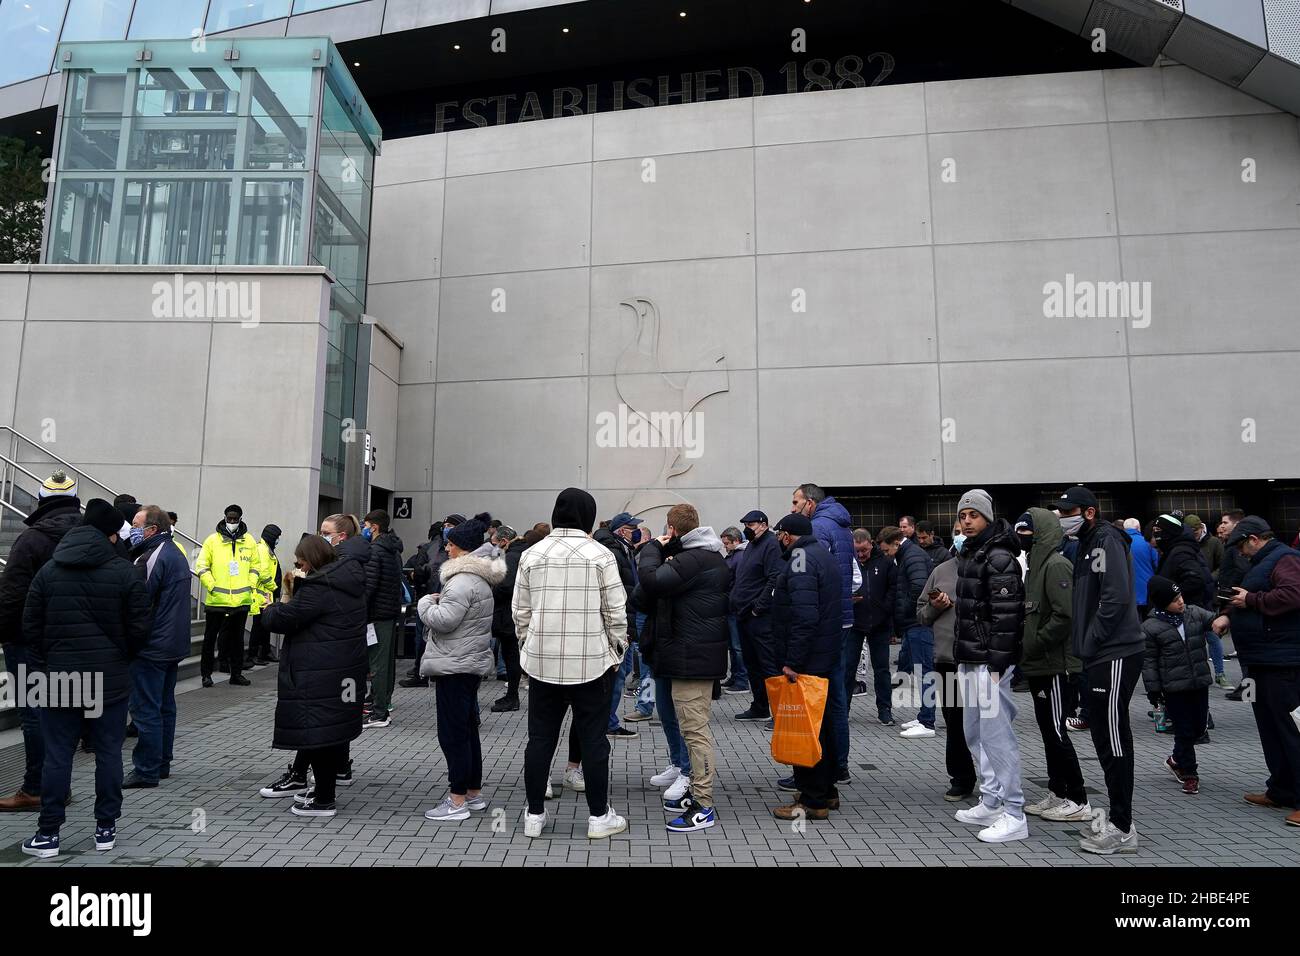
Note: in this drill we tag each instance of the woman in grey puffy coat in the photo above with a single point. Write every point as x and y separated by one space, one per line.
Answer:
458 655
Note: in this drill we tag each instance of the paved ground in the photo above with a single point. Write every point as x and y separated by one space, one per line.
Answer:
209 813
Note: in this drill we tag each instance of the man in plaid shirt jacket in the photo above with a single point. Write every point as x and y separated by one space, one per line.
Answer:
570 611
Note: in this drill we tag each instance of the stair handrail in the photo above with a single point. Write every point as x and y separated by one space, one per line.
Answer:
71 467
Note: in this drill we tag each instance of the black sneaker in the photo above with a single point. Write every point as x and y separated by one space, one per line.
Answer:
223 668
313 809
750 714
842 776
681 804
505 704
413 682
286 786
1236 693
105 836
376 719
860 689
735 688
134 781
1209 721
207 682
239 680
1204 738
621 733
132 730
956 794
344 779
886 720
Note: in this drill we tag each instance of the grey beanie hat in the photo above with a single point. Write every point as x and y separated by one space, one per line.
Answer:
978 500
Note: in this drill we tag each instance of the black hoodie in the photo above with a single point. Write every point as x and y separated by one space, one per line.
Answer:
88 611
46 526
1105 624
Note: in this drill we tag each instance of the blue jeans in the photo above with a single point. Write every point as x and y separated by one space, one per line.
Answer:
679 756
30 719
1216 650
61 727
918 645
837 703
739 676
153 708
620 679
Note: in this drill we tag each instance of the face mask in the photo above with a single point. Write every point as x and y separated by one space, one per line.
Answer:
958 540
328 539
136 535
232 528
445 532
1071 525
749 534
366 533
1026 542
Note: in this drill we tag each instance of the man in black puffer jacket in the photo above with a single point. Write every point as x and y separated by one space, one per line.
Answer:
684 581
1182 562
503 626
1107 638
917 651
990 627
87 616
383 608
59 511
806 625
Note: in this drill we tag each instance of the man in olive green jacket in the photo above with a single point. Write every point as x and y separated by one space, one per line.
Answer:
1047 662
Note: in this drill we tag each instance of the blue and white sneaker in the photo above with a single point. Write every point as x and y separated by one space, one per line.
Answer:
476 803
105 837
787 784
681 805
43 846
695 817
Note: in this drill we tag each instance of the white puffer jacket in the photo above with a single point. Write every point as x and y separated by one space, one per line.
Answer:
460 623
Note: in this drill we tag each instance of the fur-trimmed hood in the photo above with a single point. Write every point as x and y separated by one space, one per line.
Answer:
491 570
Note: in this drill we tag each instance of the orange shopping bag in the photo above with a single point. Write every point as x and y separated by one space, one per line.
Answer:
797 711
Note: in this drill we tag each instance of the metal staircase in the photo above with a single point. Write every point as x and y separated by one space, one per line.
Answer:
22 462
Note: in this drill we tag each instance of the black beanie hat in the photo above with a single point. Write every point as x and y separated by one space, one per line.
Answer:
100 514
235 508
271 534
574 509
1169 526
467 535
1161 592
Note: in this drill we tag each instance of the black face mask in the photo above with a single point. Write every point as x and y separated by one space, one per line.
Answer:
749 534
1026 542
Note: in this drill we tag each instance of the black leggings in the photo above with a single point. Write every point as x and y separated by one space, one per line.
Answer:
510 653
302 761
326 763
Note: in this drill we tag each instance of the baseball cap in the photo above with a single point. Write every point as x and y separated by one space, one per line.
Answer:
1076 497
1251 524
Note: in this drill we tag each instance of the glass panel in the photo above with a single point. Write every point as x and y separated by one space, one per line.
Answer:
198 93
336 245
343 176
306 6
227 14
29 31
277 142
331 452
281 91
183 148
175 222
167 19
335 365
347 139
80 221
90 143
96 20
270 222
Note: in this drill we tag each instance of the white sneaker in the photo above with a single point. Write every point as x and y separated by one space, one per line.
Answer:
664 779
678 789
533 824
909 724
1049 802
1067 811
978 815
1005 829
573 779
920 730
608 825
550 791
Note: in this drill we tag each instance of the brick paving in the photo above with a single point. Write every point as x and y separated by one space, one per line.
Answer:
209 812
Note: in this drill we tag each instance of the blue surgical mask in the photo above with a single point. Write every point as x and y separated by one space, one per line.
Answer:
365 533
445 532
957 541
136 535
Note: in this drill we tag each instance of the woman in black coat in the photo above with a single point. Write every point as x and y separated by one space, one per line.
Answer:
323 666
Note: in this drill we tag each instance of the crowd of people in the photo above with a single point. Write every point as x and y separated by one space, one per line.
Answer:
1060 603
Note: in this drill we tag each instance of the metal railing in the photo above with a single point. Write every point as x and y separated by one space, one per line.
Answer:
10 468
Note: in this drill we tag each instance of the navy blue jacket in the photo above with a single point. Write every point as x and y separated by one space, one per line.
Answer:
875 612
166 574
805 609
751 593
46 526
914 567
831 526
1270 637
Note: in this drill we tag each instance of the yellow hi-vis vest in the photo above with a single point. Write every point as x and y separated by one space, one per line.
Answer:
230 572
269 562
